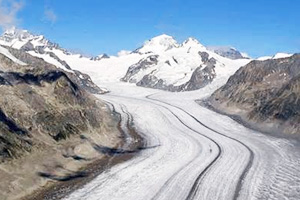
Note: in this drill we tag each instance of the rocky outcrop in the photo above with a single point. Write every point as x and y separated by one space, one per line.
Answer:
141 65
264 94
200 78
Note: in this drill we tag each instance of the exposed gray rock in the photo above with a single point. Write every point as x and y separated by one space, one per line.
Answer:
27 47
100 57
39 49
211 62
204 56
141 65
151 81
200 78
168 62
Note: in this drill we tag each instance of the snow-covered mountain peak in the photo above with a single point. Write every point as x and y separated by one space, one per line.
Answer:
158 44
191 40
13 33
18 39
227 51
192 43
163 39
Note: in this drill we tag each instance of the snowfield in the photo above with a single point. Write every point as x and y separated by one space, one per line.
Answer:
194 153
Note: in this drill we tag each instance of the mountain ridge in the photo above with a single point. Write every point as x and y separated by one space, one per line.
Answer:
177 65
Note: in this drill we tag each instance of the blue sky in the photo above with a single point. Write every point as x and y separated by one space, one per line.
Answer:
97 26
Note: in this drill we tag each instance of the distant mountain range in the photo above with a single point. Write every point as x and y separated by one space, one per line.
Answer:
161 63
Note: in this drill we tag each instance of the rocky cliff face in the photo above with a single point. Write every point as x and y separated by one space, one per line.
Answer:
266 94
46 116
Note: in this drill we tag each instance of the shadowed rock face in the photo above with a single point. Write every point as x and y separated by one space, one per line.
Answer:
266 94
201 77
141 65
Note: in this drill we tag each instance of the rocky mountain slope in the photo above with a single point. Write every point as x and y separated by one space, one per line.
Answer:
264 94
49 123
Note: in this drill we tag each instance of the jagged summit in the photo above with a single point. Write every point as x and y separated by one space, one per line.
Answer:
14 33
17 38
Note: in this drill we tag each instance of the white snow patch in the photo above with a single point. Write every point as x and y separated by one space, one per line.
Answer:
47 58
281 55
245 55
123 53
159 44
